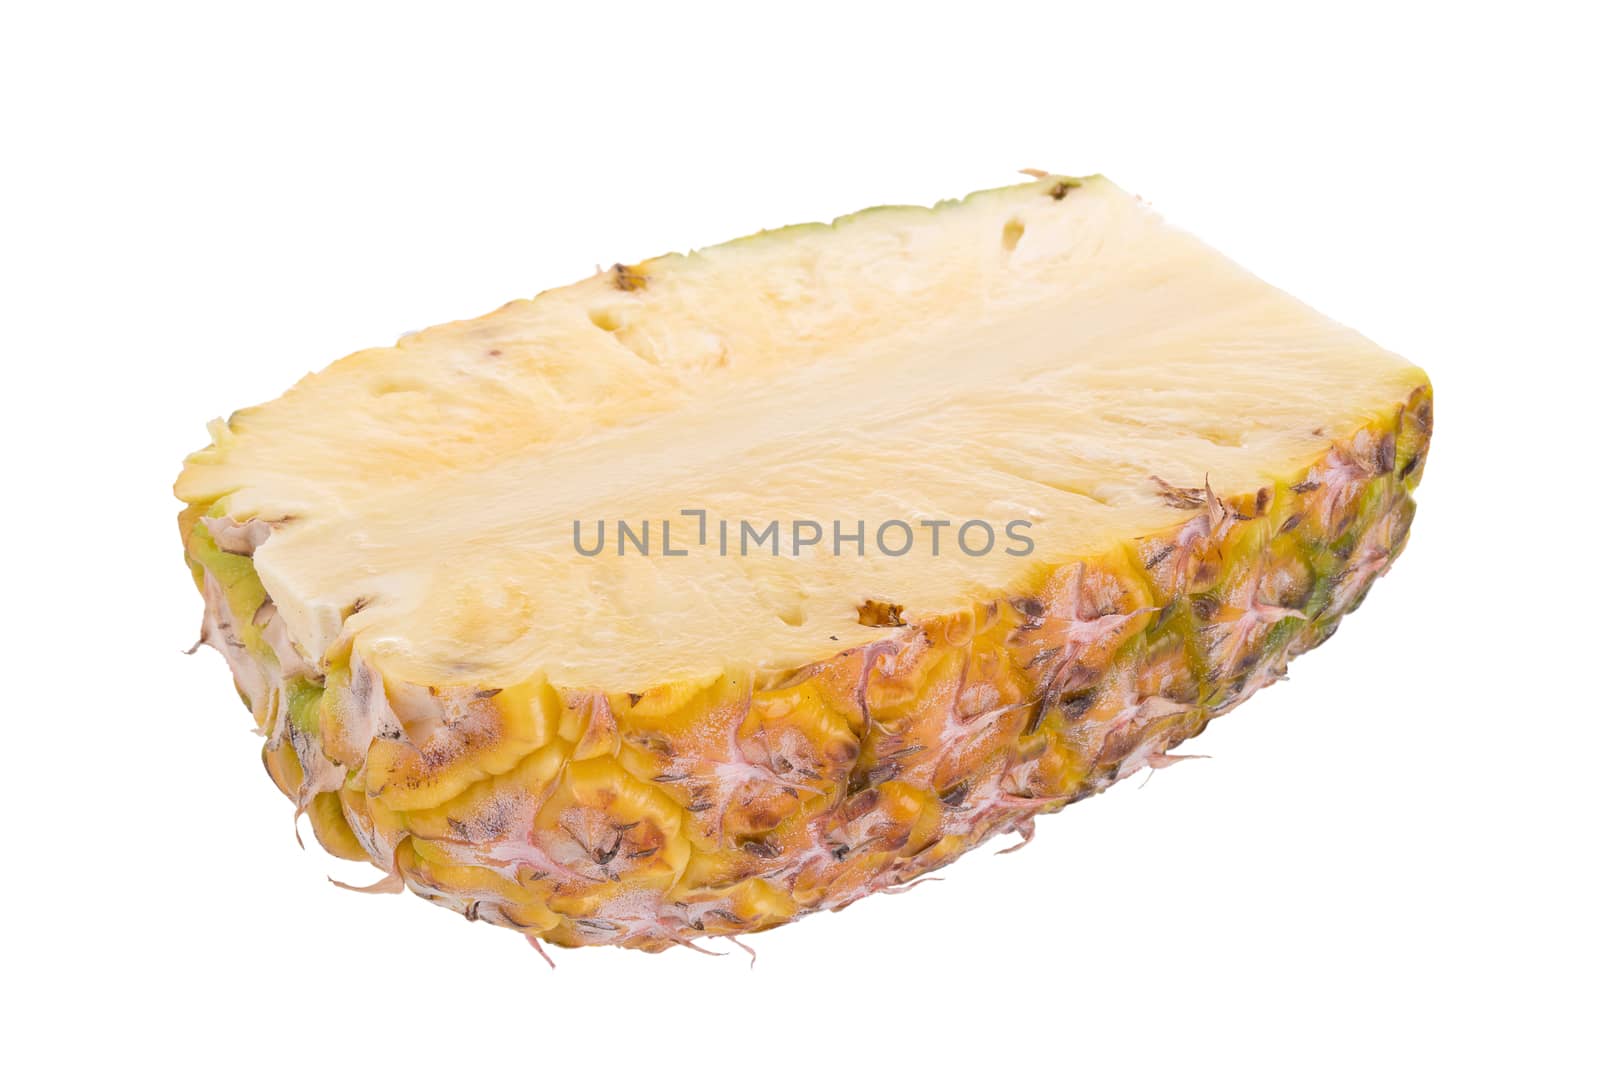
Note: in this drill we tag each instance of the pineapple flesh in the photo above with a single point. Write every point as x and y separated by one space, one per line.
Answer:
1017 493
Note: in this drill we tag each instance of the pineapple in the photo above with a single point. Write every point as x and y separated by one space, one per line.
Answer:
723 588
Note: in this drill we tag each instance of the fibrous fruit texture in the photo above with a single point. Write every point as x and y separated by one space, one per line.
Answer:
723 588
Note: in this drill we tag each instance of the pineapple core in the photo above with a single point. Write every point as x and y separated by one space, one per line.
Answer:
723 588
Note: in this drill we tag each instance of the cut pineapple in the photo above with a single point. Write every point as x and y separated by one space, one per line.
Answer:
722 588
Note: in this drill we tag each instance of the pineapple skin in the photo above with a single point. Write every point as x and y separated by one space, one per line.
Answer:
652 819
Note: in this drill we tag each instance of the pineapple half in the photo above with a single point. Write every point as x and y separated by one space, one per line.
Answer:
723 588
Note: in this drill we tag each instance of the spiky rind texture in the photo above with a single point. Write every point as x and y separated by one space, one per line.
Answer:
649 819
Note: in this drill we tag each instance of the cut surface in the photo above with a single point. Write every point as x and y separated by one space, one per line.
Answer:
1013 356
1020 492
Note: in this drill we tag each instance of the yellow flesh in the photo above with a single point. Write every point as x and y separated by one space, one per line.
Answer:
1013 356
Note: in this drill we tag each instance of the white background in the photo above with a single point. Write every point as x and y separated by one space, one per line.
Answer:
1389 859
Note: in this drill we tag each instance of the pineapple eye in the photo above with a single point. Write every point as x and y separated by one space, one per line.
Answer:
1011 234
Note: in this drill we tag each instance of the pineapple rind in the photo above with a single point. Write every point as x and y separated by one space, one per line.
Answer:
649 819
